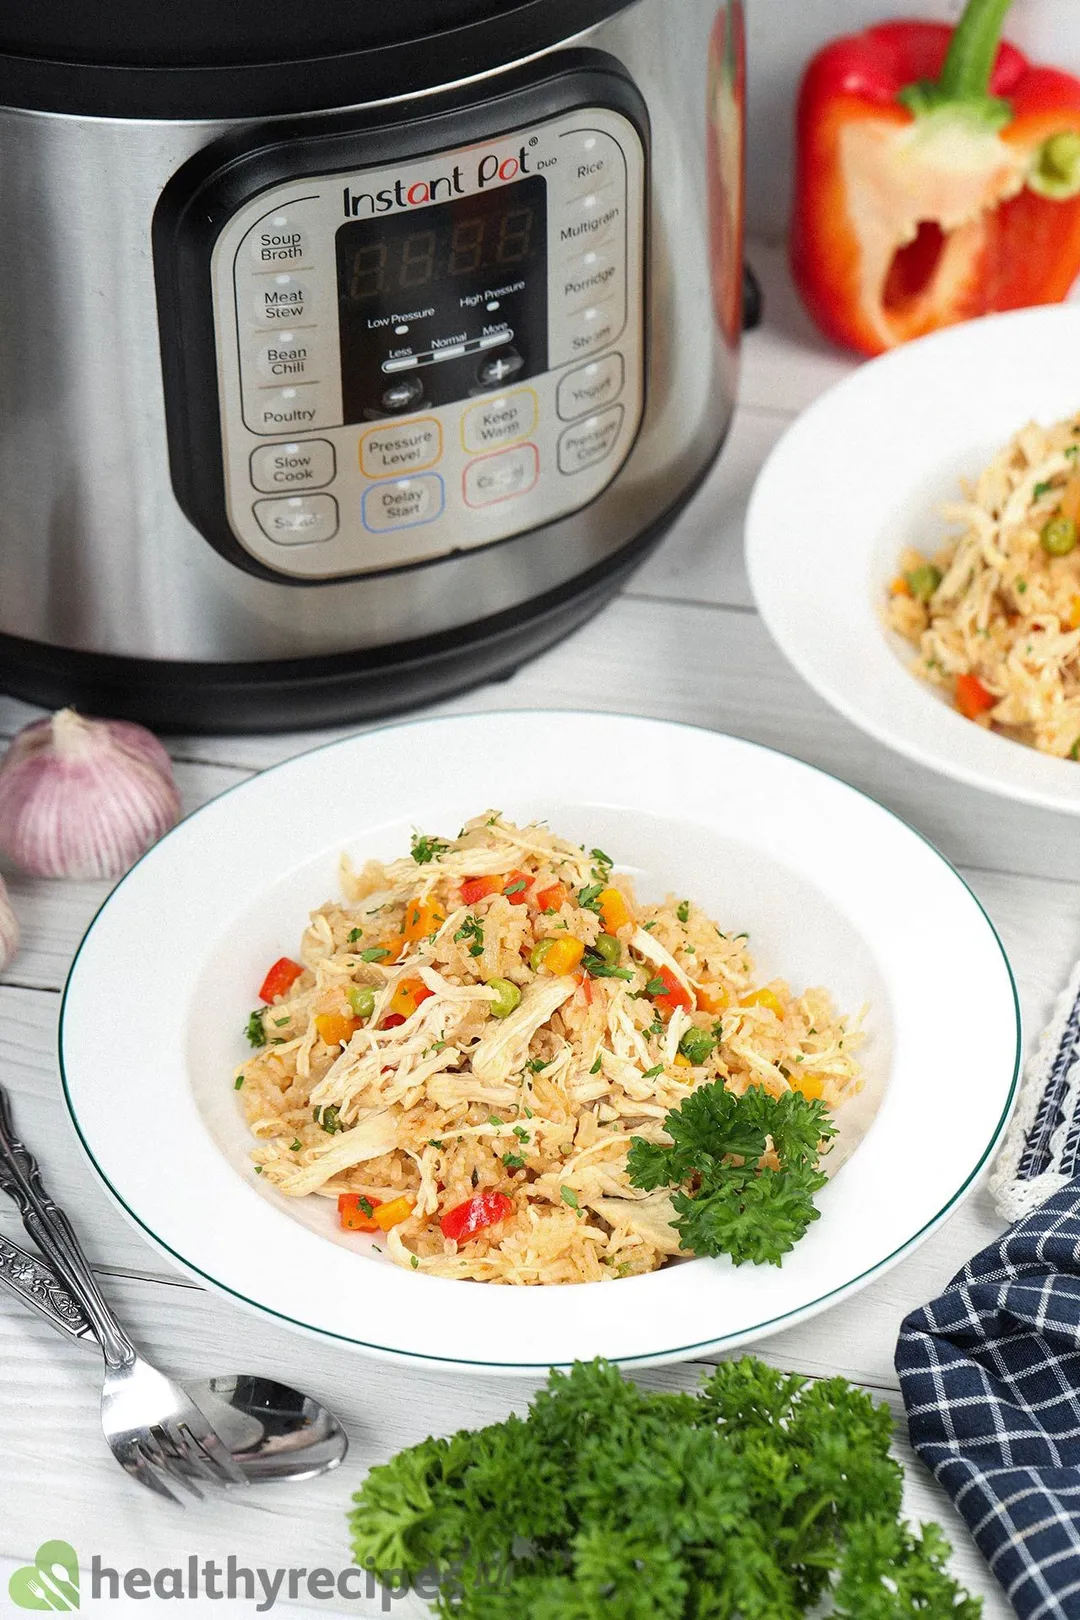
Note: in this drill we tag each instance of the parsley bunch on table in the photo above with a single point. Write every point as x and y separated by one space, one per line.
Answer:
763 1497
727 1201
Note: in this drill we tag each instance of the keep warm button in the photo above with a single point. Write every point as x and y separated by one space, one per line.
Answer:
499 421
402 503
588 442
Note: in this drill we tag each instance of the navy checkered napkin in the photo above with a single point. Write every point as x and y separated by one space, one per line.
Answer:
990 1375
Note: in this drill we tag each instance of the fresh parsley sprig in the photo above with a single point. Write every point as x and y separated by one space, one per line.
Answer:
726 1200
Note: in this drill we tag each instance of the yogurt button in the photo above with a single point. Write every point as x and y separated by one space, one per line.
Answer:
301 465
298 520
588 387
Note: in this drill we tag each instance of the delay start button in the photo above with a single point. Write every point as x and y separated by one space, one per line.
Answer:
298 520
402 503
293 466
590 441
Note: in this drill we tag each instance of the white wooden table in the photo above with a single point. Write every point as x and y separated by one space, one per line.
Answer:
683 641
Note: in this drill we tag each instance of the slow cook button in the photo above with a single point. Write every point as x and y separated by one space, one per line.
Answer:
502 476
290 466
499 421
588 442
298 520
278 240
588 387
402 503
280 299
405 447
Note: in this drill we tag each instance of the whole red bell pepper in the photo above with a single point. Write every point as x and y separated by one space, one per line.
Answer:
937 178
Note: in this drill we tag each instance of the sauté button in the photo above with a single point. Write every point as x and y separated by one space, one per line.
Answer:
293 466
501 476
588 442
405 447
499 421
402 503
588 387
298 520
281 299
278 240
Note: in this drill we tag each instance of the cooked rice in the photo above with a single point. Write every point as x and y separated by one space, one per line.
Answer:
1005 611
452 1100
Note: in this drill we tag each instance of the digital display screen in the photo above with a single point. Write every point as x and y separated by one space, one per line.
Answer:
442 301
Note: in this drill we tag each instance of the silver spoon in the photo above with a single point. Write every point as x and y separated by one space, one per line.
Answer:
273 1432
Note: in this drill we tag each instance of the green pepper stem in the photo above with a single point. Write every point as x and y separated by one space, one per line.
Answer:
973 51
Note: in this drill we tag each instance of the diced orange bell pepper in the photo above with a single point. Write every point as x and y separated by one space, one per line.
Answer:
478 888
812 1086
972 698
682 1062
552 898
336 1028
407 997
713 1000
1069 504
281 977
900 586
423 917
614 911
763 998
564 956
674 993
388 1215
356 1212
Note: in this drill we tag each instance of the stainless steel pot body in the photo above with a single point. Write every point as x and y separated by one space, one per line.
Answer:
96 555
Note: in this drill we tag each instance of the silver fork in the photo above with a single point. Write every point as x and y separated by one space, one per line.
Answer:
155 1431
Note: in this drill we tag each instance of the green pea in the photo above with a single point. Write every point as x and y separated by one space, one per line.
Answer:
608 949
697 1044
361 1000
1058 537
924 581
507 996
538 952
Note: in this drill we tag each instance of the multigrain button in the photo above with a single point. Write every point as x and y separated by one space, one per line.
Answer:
499 421
280 299
278 240
588 387
298 520
588 442
293 466
405 447
500 477
591 220
402 503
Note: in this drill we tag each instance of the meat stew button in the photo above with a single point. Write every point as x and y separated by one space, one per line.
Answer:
590 441
298 520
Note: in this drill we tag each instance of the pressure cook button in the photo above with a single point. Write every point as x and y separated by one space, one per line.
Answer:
278 241
499 421
292 466
405 447
502 476
280 299
403 503
288 357
400 395
588 387
588 442
298 520
499 368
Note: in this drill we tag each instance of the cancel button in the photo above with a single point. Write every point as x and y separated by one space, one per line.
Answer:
590 441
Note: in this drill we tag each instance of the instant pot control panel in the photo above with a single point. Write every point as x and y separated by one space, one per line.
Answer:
416 357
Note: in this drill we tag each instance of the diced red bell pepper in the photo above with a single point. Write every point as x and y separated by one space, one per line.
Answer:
392 1020
356 1212
551 898
972 698
280 978
516 886
937 178
673 994
482 1209
478 888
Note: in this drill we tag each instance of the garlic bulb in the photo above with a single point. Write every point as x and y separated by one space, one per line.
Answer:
84 798
9 928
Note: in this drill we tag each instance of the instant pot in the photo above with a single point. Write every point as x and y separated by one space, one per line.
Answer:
350 352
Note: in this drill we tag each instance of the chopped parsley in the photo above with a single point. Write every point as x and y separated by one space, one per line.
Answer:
472 929
597 968
651 1074
655 987
254 1028
569 1196
238 1082
534 1065
374 953
1042 489
1021 587
513 1161
682 911
596 1066
413 1261
516 887
330 1121
366 1206
589 897
294 1147
433 1142
424 849
258 1169
355 934
697 1045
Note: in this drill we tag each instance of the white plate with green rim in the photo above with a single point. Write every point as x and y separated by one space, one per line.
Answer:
833 889
862 474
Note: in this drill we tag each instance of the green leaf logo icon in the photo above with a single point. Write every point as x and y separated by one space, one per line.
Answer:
50 1582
